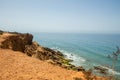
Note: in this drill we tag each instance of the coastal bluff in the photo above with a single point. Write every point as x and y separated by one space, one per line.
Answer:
24 43
21 58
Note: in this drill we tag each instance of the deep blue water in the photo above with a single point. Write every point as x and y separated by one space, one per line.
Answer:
86 50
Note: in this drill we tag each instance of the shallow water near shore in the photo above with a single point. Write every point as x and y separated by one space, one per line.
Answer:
87 50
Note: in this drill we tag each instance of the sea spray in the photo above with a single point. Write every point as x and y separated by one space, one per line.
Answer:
80 61
77 60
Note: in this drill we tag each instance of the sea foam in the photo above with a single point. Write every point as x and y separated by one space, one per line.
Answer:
77 59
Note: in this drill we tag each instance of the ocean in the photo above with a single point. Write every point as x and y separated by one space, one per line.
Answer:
87 50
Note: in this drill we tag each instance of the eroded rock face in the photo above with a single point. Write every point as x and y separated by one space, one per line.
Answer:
17 42
23 42
51 56
1 32
42 53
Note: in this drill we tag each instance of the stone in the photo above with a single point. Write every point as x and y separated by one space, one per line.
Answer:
23 42
80 68
17 42
101 69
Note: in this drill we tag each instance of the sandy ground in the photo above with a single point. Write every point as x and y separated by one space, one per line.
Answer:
18 66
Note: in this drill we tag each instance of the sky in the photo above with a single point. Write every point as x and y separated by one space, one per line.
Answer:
62 16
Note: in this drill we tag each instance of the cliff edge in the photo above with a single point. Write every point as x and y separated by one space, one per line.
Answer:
13 50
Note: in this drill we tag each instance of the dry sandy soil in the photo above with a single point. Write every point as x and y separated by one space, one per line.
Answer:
17 66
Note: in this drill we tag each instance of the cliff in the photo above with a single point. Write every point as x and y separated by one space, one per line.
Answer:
16 42
22 44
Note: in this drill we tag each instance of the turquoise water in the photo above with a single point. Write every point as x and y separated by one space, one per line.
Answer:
86 50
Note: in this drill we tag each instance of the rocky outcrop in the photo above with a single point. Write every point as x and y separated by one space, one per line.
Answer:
1 32
101 69
44 53
23 42
80 68
17 42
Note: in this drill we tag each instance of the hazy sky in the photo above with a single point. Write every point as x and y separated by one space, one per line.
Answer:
76 16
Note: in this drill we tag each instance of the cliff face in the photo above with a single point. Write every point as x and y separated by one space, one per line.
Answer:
17 42
23 42
42 53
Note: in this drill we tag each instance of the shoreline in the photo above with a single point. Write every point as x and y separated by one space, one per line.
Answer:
75 59
35 50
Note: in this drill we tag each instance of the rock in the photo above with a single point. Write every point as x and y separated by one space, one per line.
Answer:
1 32
51 61
101 69
53 51
30 50
80 68
42 53
23 42
88 75
17 42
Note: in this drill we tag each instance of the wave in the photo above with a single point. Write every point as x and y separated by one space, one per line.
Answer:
77 59
80 61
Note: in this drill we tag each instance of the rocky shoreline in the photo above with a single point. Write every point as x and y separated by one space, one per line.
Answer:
24 43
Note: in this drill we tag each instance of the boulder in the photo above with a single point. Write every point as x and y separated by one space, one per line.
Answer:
17 42
101 69
42 53
80 68
1 32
